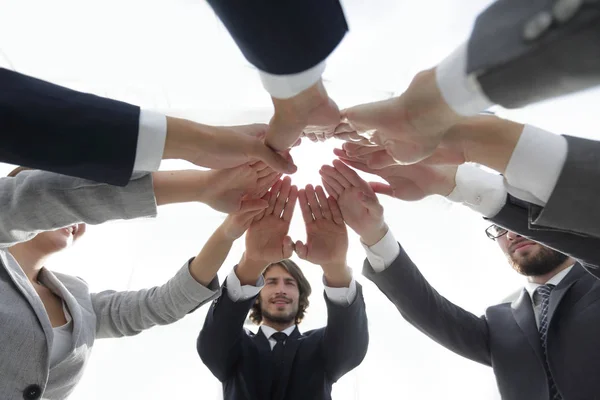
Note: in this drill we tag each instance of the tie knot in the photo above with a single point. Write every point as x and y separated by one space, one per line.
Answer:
545 290
280 337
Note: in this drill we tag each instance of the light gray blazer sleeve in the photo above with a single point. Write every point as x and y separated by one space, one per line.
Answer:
36 201
128 313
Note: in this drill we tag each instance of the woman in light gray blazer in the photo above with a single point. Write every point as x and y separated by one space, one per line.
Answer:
48 320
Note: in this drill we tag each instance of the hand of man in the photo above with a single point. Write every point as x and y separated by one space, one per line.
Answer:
409 127
310 111
221 147
266 240
225 189
410 182
357 200
326 236
237 223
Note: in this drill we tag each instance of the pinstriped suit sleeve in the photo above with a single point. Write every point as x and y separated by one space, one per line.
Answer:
36 201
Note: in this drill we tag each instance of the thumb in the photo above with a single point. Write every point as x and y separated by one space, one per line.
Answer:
253 205
301 250
381 188
274 160
288 247
365 116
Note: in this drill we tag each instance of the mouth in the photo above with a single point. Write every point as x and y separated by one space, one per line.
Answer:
280 302
525 244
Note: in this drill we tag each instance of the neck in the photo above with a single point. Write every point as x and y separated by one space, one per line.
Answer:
30 259
542 279
278 326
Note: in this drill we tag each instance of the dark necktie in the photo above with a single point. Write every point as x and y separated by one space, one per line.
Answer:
544 292
277 355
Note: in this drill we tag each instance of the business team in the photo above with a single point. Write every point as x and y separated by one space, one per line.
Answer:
541 208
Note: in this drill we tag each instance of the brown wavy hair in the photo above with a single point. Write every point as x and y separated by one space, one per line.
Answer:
303 288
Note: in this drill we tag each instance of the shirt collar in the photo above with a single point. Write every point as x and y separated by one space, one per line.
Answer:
531 286
268 331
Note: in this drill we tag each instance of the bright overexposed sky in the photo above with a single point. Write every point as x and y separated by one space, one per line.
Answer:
174 56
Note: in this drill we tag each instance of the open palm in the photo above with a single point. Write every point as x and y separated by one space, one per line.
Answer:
326 234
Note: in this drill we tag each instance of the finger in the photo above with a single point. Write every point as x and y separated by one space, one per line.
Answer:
356 150
290 205
267 181
284 193
297 142
304 207
330 191
335 174
350 175
287 247
382 188
366 116
323 202
340 153
261 215
301 250
336 213
274 160
311 136
333 184
313 202
273 196
380 159
258 166
360 166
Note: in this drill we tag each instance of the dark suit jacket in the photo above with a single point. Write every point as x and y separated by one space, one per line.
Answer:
283 36
49 127
516 68
314 360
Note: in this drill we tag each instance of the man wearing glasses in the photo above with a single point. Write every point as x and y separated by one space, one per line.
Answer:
542 346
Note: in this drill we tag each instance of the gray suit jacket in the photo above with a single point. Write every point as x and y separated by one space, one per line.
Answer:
506 337
38 201
523 51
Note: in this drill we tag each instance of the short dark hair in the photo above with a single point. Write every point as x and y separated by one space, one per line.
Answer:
303 288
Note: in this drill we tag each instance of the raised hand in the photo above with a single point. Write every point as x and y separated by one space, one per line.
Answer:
225 189
409 127
237 223
267 240
410 182
220 147
357 201
311 111
326 235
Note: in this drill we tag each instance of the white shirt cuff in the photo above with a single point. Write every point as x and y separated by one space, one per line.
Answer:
461 91
286 86
341 296
152 135
383 253
482 191
237 292
536 164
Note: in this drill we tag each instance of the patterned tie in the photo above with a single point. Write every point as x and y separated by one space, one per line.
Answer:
277 355
544 292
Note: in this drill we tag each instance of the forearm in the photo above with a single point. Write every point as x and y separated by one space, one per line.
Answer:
178 186
337 275
205 266
249 271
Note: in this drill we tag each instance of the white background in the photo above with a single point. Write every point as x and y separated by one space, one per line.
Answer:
174 56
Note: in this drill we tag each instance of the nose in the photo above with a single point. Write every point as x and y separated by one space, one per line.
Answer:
512 235
280 287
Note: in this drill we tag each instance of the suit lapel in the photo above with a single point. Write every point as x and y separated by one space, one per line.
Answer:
289 353
563 287
522 310
265 367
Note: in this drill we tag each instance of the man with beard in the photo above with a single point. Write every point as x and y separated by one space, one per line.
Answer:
541 346
279 362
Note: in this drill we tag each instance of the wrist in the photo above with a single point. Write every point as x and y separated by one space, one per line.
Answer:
426 109
374 236
337 274
182 137
249 270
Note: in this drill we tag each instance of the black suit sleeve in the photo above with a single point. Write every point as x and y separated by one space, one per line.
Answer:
52 128
527 51
517 216
346 336
449 325
219 343
283 36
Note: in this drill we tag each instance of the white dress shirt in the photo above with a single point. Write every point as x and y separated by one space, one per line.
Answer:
286 86
535 300
63 339
236 292
268 332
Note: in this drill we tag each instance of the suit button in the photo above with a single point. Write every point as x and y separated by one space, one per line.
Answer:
536 26
32 392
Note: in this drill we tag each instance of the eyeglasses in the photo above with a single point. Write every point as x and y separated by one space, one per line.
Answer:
494 232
